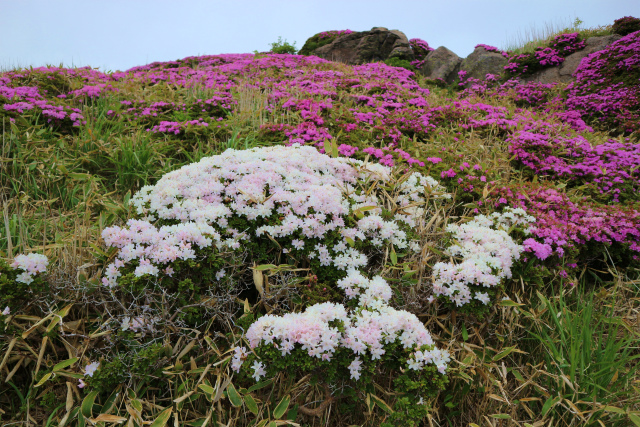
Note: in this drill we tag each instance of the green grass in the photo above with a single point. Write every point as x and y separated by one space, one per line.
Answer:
527 39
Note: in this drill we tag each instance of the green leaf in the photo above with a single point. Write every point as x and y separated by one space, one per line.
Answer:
206 388
266 267
80 176
251 404
44 379
465 334
635 419
233 395
504 353
136 404
162 419
350 241
70 374
614 409
382 404
273 424
501 416
435 251
282 407
58 317
87 404
65 364
334 148
394 257
551 402
509 303
293 413
369 402
260 385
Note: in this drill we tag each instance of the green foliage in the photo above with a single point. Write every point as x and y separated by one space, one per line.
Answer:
532 38
282 46
135 364
317 41
590 358
403 63
626 25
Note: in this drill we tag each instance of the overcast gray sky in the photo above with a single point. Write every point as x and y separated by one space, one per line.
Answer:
119 34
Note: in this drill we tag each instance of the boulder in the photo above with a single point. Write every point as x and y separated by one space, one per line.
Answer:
564 72
441 64
361 47
482 62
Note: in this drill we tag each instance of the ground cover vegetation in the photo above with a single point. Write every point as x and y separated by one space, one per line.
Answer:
274 239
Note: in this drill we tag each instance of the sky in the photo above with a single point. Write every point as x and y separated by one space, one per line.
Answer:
119 34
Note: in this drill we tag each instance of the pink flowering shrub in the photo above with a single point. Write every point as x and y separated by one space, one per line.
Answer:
606 90
576 231
544 56
152 114
177 127
420 50
626 25
609 168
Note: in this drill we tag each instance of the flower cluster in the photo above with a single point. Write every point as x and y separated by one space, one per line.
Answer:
30 265
545 56
333 33
92 91
606 88
489 48
563 224
611 166
420 50
486 253
365 332
311 195
176 127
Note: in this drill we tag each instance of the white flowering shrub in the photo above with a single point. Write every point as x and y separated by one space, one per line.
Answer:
22 282
484 253
200 228
362 341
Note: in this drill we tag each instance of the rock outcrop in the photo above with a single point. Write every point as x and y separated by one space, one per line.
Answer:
361 47
563 73
441 64
482 62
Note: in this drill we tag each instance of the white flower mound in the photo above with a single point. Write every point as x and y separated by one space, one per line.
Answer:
487 252
30 265
367 329
311 192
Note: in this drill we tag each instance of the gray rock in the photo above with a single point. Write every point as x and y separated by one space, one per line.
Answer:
378 44
481 62
564 72
441 64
